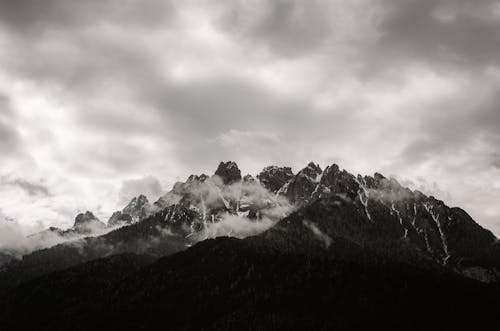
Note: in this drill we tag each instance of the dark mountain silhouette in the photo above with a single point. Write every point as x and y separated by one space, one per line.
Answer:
156 236
323 249
230 284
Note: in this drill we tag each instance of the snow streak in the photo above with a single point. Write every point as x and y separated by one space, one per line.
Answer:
435 217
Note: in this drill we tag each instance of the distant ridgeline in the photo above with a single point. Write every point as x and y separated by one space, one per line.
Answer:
299 243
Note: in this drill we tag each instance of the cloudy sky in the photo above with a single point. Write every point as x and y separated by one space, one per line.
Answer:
103 99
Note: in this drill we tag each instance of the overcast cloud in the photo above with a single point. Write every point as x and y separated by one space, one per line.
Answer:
99 99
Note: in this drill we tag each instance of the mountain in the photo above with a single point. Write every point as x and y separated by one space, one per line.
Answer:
5 258
203 208
158 235
228 172
319 249
302 187
378 212
233 284
137 209
368 211
85 224
274 178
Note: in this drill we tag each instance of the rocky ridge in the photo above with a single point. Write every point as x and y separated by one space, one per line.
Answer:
331 204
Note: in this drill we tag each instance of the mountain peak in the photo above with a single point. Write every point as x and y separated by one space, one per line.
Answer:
87 222
83 218
312 165
139 201
228 172
118 218
136 209
300 189
312 170
273 177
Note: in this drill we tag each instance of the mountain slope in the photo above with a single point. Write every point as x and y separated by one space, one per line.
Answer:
228 284
352 252
200 208
362 220
152 236
376 211
332 206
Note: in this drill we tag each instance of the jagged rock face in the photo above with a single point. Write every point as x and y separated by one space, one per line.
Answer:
210 201
312 171
339 182
119 218
213 202
169 199
465 236
374 210
380 212
84 218
228 172
248 179
87 223
274 178
301 188
331 205
205 197
137 208
222 196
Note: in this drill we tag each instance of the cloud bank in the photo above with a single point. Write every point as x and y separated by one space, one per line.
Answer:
96 93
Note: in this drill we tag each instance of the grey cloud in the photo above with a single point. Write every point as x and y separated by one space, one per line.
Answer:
113 64
243 140
496 160
202 112
120 121
6 112
10 140
458 124
320 235
238 227
218 105
419 150
298 28
83 63
290 28
106 155
378 35
462 34
34 17
32 189
194 111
